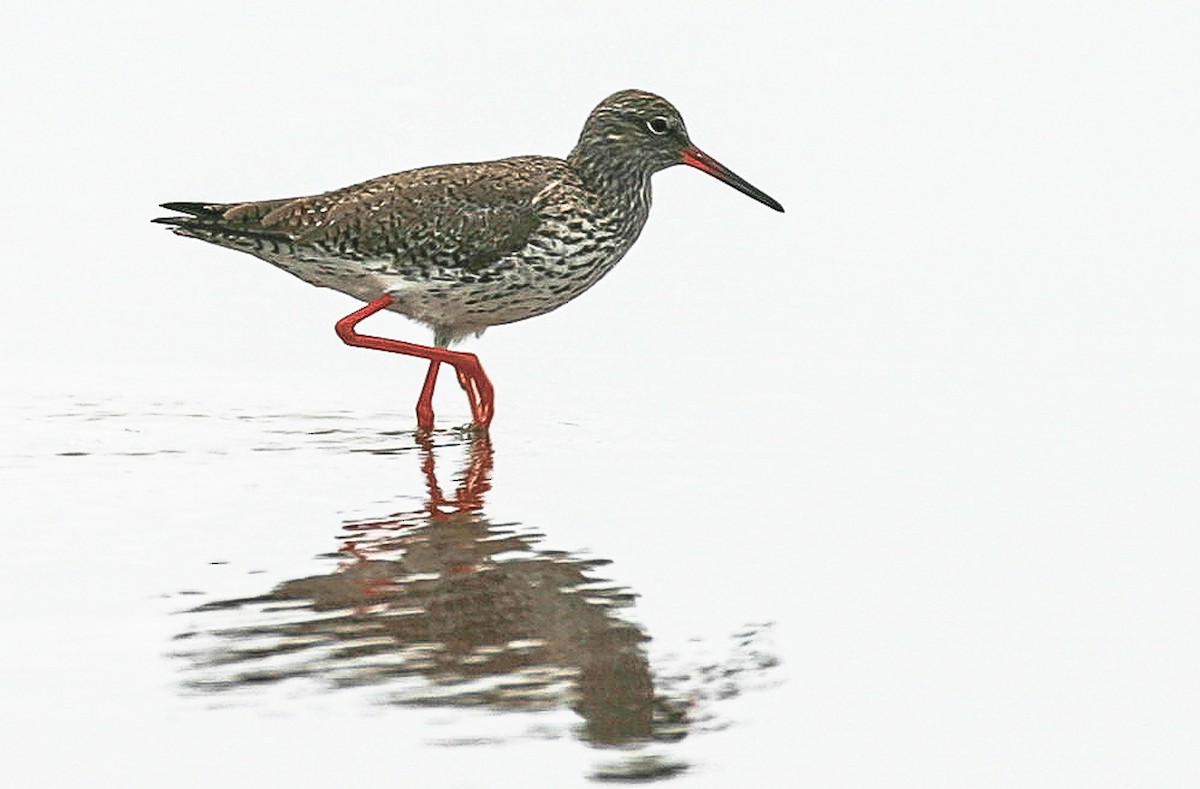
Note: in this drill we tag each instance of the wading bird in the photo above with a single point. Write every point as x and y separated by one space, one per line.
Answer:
462 247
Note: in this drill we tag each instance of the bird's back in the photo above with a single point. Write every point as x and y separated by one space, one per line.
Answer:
460 216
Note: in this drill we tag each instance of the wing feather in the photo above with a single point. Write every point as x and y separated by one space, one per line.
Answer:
465 216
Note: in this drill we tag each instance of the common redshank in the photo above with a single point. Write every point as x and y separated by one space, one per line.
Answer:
462 247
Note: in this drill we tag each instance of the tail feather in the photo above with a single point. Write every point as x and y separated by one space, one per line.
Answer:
213 222
173 220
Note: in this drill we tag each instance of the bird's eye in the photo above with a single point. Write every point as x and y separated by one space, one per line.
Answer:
658 125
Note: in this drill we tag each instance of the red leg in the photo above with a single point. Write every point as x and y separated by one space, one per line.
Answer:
475 383
470 371
425 402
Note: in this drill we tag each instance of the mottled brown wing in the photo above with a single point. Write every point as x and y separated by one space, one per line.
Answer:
463 216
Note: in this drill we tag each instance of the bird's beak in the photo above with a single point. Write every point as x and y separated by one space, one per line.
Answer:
694 157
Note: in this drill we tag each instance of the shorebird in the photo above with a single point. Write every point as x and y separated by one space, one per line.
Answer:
462 247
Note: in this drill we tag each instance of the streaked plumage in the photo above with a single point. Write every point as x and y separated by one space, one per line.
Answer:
465 246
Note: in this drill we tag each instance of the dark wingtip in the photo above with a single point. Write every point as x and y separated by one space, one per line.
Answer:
194 212
195 209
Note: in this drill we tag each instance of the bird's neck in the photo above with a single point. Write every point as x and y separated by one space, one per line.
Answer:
624 189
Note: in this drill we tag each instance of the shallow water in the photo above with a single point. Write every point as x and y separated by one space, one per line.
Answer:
438 606
893 575
353 565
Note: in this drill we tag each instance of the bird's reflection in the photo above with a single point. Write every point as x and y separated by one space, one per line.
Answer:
475 611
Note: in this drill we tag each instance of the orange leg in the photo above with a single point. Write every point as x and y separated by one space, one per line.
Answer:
470 371
425 402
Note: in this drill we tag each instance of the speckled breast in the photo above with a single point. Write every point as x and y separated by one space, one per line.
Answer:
562 260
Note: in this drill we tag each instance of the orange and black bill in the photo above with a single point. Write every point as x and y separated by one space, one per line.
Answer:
694 157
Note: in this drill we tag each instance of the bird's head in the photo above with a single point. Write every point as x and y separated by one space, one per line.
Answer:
633 132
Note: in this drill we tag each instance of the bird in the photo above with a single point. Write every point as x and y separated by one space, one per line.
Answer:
462 247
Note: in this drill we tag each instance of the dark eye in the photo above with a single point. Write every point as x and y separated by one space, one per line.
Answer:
658 125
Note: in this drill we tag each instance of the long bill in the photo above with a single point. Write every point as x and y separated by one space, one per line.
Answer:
694 157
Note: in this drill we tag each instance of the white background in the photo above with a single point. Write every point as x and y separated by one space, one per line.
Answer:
938 421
